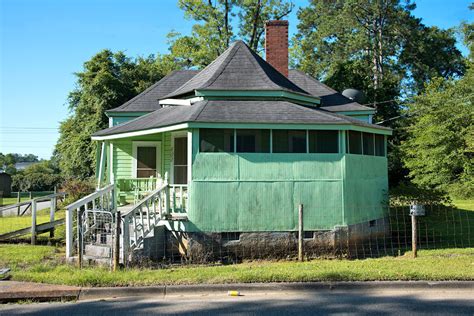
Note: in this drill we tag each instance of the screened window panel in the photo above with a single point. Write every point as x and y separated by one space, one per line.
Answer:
368 143
253 141
180 151
323 142
146 162
216 140
289 141
180 174
379 145
355 142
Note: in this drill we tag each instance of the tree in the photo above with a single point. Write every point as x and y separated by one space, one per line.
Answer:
375 46
107 81
439 150
40 176
213 32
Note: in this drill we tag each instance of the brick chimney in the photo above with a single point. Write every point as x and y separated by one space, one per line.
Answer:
276 45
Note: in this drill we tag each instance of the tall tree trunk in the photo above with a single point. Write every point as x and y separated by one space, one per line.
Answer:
253 39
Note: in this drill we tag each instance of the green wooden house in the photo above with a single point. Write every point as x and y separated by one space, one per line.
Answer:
243 142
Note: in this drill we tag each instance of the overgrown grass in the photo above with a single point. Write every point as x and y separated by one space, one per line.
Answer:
12 223
45 264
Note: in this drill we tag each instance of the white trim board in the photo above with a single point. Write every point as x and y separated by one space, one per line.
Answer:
178 134
157 145
141 133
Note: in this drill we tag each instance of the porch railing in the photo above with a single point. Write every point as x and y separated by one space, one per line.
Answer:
138 222
136 188
178 198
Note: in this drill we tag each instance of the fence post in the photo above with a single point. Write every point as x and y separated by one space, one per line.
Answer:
300 232
414 235
52 210
117 241
33 222
125 240
31 195
18 200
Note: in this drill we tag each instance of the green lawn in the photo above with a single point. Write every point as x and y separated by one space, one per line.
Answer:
45 264
467 205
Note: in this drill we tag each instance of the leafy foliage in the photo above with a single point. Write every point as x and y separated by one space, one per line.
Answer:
40 176
107 81
214 31
439 150
77 189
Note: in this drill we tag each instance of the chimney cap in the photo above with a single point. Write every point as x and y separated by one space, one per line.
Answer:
277 22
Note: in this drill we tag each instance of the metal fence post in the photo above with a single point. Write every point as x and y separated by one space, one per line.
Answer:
33 222
117 241
79 238
125 240
300 232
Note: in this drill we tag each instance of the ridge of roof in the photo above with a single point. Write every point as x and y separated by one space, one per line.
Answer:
238 68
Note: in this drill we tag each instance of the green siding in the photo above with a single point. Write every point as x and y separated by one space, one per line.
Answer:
261 192
366 186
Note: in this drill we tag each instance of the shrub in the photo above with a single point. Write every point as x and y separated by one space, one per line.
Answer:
76 189
37 177
404 194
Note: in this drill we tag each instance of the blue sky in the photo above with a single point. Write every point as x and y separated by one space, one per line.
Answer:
43 42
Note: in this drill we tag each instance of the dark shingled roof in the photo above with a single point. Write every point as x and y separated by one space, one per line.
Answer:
331 100
227 111
147 101
238 68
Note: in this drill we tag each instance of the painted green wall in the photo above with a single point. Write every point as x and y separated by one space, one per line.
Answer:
365 188
261 192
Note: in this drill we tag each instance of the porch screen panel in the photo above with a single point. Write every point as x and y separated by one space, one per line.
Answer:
253 141
146 162
180 168
324 142
355 142
216 140
368 143
289 141
379 145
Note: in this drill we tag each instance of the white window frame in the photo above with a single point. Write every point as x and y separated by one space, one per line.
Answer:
137 144
179 134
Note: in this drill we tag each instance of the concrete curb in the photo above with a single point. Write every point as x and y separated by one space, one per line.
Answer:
207 289
45 292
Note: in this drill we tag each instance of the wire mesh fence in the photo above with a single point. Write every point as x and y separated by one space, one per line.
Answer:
441 227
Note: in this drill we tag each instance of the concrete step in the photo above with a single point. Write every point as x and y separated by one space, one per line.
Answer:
98 251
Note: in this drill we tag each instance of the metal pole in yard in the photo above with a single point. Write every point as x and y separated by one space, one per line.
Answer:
300 232
117 241
414 234
18 200
33 222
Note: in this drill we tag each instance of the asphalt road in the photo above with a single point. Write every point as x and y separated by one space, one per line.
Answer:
361 302
13 211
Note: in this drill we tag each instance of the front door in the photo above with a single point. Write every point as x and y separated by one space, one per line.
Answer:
147 159
180 160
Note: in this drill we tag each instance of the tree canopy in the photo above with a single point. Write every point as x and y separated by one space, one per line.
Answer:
107 81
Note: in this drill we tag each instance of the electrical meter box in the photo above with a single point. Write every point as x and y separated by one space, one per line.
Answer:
417 209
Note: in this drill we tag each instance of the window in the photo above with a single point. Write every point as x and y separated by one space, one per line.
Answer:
216 140
253 141
368 143
146 162
379 145
323 142
180 160
289 141
355 142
